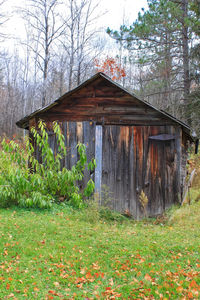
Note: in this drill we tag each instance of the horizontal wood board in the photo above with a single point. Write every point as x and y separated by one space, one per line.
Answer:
103 102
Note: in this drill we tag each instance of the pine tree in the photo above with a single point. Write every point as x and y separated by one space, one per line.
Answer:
162 36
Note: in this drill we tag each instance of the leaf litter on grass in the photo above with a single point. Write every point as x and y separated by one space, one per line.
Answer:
60 255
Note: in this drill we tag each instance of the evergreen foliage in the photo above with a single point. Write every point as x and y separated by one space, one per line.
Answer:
164 37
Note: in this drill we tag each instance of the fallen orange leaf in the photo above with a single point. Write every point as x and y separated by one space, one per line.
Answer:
190 295
179 289
193 284
148 277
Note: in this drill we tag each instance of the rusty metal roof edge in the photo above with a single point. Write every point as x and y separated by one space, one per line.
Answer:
23 123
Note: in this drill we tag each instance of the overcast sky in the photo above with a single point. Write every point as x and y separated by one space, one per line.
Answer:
121 9
117 12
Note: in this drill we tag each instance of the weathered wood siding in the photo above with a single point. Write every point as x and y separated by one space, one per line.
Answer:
132 163
105 103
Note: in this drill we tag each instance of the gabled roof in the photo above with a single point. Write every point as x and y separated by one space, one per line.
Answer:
24 122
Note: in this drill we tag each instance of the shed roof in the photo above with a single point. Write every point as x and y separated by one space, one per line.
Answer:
24 122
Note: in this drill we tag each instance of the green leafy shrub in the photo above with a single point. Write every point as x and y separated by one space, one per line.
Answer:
41 184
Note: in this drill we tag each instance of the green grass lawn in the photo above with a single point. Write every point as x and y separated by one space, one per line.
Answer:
58 254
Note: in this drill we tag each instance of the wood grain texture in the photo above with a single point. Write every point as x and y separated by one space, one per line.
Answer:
103 102
132 163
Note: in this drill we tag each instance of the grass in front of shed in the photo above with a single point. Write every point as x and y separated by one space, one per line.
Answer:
58 254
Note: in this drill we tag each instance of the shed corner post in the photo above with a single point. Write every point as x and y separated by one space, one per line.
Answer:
98 158
32 123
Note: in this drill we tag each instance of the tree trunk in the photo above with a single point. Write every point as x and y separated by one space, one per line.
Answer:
185 49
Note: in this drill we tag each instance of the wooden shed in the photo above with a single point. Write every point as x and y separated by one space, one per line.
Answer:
136 146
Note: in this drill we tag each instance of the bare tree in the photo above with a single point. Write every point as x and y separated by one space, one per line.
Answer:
3 19
45 28
10 92
80 41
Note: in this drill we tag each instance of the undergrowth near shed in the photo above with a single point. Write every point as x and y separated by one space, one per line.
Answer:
41 184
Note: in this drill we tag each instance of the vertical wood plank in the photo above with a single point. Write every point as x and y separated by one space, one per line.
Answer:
132 176
72 144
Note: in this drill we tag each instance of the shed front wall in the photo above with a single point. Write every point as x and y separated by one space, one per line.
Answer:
132 163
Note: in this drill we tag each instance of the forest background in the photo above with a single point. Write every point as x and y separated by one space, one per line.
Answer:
155 55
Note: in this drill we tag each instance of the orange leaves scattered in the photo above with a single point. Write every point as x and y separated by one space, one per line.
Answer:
52 293
99 274
193 284
109 269
88 278
124 267
64 275
179 289
80 280
48 297
111 67
95 266
59 266
110 293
